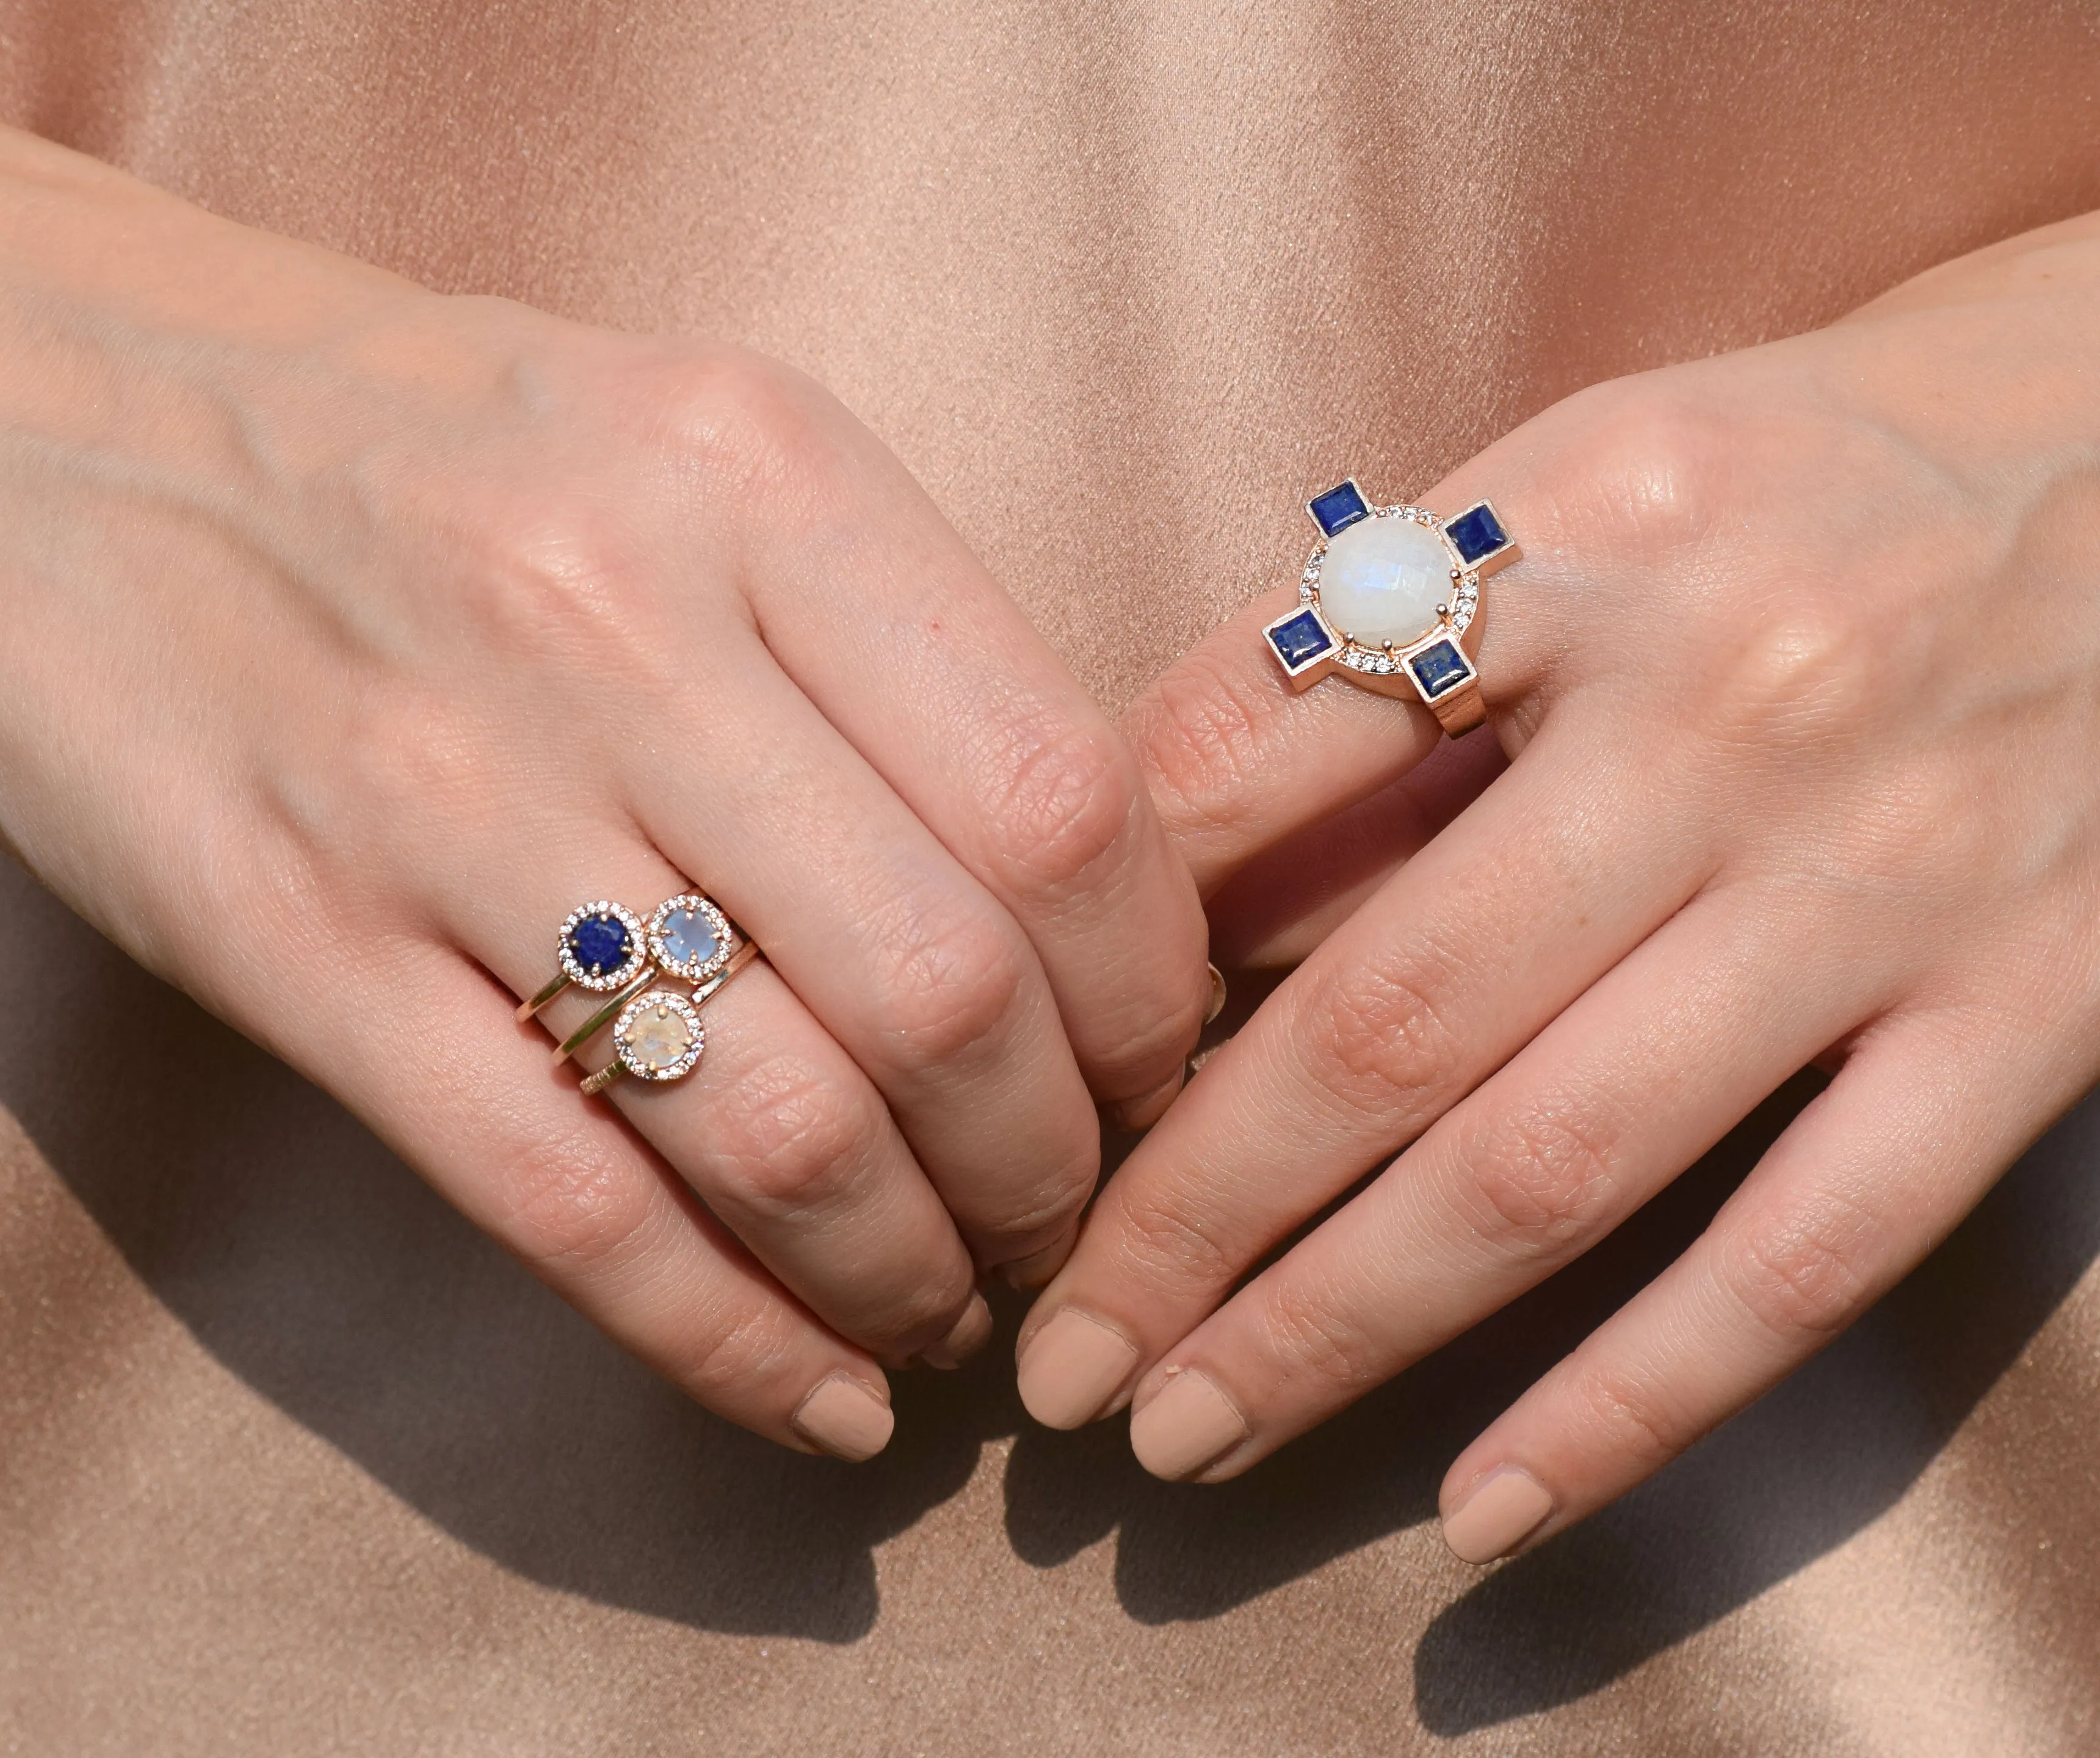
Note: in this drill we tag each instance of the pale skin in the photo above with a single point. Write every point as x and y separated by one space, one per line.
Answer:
1800 686
355 634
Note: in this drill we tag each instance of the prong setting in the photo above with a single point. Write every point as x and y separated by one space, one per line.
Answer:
603 946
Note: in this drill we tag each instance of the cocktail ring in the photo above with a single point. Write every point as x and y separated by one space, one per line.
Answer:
1386 599
602 947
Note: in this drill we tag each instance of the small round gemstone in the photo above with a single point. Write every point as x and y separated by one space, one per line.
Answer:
660 1038
600 943
688 937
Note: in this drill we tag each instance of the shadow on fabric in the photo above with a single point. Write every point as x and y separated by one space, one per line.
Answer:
314 1267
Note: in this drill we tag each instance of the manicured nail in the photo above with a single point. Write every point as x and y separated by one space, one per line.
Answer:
845 1418
1190 1425
1038 1267
1072 1368
1498 1517
969 1335
1142 1113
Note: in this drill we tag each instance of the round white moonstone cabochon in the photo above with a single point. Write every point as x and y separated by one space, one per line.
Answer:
1382 579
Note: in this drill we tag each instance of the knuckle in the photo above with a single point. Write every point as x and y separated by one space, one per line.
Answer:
1377 1037
1310 1331
571 1208
1653 471
1628 1413
733 1347
951 979
1170 1236
1791 672
1798 1274
750 430
1198 732
784 1138
1540 1179
1068 805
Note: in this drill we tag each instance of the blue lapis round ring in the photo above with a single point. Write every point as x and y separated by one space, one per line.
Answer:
603 946
1386 599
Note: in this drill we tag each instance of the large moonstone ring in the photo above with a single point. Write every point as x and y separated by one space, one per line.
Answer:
1387 598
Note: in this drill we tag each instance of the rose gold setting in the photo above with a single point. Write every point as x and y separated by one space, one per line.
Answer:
1385 670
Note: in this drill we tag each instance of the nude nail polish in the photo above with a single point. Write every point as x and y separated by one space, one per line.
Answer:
965 1338
1188 1426
1072 1368
844 1418
1499 1515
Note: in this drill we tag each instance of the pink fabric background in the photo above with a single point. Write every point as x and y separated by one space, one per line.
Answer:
293 1463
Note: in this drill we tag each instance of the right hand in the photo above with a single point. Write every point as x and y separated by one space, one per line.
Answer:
354 634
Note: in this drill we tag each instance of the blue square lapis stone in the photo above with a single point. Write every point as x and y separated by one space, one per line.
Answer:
1439 668
1338 509
599 943
1298 640
1477 534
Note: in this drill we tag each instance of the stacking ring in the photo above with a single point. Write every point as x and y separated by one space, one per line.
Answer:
602 947
659 1035
1386 600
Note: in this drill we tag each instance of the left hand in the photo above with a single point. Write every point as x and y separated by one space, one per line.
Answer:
1800 679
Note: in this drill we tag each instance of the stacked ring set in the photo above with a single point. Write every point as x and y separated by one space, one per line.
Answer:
657 1033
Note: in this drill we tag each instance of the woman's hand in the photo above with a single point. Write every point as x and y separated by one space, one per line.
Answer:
1800 676
353 635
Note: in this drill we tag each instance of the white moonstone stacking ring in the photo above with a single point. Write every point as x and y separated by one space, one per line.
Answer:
1387 598
660 1034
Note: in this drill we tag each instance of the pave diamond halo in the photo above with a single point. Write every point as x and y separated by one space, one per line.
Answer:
691 938
603 946
659 1035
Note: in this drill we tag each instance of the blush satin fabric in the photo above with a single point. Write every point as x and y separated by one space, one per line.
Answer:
291 1462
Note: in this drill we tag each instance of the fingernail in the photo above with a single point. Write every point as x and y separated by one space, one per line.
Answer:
1217 1004
1072 1368
1142 1113
1188 1426
1038 1267
969 1335
845 1418
1498 1517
